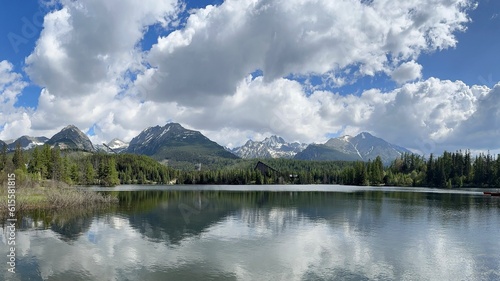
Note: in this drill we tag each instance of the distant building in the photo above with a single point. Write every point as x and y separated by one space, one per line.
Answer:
265 169
197 167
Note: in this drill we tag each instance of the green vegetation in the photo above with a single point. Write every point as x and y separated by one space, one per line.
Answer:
449 170
457 169
75 167
51 195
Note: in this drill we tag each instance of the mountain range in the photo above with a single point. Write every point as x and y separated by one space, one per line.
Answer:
27 142
271 147
363 147
175 144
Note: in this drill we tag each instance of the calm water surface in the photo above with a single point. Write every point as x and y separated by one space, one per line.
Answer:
266 233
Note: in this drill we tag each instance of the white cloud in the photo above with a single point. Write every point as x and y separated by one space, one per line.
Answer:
11 86
426 112
258 108
421 116
221 45
86 45
84 59
482 129
406 72
15 121
88 54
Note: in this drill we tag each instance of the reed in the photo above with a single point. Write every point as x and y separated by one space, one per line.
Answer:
53 196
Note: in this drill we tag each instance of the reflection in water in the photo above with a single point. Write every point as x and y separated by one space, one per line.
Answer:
261 235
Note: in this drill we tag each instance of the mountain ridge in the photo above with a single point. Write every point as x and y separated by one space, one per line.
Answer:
362 147
27 142
271 147
173 142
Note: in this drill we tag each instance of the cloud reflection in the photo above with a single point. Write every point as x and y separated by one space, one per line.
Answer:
345 237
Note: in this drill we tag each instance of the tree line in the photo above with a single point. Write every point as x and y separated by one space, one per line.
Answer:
83 168
456 169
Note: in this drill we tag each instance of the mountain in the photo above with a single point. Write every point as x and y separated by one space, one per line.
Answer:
118 145
362 147
271 147
27 142
2 143
321 152
71 138
173 142
115 144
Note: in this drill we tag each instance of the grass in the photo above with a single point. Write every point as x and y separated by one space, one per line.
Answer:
50 195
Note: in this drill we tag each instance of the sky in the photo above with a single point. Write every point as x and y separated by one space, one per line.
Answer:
422 74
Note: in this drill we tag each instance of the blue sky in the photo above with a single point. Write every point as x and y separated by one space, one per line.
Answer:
475 60
303 68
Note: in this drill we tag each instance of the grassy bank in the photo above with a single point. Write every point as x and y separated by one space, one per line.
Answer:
49 195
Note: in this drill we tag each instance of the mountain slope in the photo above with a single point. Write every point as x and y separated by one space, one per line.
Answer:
362 147
173 142
71 138
27 142
370 147
321 152
271 147
118 145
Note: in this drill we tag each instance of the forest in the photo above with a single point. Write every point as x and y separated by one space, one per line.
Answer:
449 170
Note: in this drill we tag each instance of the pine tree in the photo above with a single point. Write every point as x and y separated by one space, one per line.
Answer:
56 165
74 174
18 159
3 157
430 175
45 162
112 174
89 174
377 171
35 164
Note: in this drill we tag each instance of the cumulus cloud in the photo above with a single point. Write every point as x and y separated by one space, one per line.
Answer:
221 45
11 86
414 115
14 121
86 57
426 112
85 46
406 72
94 73
482 130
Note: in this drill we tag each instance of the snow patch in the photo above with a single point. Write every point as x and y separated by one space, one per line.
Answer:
164 132
357 151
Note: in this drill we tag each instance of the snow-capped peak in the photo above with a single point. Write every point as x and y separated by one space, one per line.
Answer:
117 143
346 138
270 147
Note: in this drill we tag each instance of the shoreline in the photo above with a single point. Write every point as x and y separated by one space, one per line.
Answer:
54 196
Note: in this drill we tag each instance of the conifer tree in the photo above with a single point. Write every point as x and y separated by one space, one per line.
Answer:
3 157
18 159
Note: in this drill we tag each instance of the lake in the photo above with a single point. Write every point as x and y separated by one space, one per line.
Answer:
282 232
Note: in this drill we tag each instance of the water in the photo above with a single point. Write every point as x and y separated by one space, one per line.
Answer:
266 233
